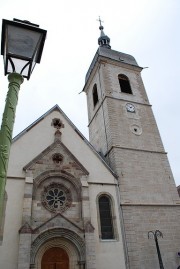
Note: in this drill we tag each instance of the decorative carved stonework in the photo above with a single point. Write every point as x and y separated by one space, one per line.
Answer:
57 135
56 198
26 229
57 158
88 227
57 123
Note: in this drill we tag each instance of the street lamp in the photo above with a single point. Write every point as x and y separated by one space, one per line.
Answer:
155 235
21 46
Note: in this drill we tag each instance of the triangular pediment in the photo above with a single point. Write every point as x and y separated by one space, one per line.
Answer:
33 150
58 221
57 157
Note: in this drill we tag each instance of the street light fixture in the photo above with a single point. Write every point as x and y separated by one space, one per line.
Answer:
21 45
155 235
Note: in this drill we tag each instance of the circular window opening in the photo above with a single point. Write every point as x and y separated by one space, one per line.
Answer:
56 198
136 129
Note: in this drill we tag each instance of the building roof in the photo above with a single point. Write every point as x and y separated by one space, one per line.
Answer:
57 108
113 55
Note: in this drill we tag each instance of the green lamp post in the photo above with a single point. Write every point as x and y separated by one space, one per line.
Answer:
21 46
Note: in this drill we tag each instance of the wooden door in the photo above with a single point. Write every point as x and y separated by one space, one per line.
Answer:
55 258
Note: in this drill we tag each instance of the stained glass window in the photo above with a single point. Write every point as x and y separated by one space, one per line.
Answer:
106 222
56 197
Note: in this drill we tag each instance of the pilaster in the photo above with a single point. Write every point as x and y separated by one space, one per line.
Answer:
89 229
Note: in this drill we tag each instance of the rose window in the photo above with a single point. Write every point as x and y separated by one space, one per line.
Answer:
56 198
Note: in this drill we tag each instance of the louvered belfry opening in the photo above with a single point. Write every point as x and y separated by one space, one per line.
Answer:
124 84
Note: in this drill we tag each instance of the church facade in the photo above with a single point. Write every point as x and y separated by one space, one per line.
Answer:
74 204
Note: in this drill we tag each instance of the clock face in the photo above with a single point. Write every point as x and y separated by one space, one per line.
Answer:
130 107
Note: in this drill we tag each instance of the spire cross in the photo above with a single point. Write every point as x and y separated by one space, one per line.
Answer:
100 21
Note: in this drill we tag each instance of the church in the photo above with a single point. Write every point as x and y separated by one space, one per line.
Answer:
71 203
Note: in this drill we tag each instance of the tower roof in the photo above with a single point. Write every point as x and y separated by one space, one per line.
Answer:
104 53
103 40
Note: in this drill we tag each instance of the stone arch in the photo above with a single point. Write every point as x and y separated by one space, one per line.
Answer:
106 194
124 84
65 179
112 205
71 242
51 173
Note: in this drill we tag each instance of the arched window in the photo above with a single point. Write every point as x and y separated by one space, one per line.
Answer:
105 214
95 95
124 84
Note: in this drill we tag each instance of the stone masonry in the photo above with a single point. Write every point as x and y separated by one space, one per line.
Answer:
132 146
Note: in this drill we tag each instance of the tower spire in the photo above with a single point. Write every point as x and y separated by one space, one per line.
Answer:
103 40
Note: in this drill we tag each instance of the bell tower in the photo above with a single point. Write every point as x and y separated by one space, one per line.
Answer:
123 130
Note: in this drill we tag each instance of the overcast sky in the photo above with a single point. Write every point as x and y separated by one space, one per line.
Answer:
146 29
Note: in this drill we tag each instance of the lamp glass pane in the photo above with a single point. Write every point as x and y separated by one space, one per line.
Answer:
19 64
22 42
33 65
34 60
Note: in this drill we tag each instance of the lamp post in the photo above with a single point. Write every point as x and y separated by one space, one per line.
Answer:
155 235
21 46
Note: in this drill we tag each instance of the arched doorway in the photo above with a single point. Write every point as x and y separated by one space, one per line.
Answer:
55 258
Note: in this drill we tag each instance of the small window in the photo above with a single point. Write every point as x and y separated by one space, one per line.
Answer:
95 95
106 222
124 84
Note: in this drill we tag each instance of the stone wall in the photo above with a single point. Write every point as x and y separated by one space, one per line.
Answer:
138 221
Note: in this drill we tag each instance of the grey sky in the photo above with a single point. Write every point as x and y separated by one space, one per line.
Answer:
148 30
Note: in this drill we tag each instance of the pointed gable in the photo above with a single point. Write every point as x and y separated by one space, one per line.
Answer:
56 157
39 141
59 221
